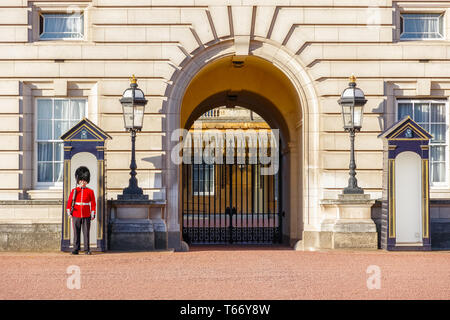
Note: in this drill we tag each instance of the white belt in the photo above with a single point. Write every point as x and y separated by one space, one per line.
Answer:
82 204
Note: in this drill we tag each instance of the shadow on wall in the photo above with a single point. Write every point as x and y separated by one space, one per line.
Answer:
380 110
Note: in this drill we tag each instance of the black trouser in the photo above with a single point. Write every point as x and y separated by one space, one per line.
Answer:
77 224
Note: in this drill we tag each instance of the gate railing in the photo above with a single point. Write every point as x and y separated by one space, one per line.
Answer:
230 203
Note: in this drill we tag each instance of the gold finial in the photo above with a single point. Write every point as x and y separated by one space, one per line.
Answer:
352 78
133 79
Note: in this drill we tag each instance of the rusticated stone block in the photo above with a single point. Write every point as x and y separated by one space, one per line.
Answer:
351 240
132 235
30 237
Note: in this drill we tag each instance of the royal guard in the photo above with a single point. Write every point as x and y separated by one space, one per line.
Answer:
81 208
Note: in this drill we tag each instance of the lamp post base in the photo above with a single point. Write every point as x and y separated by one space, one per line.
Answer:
348 225
353 190
134 196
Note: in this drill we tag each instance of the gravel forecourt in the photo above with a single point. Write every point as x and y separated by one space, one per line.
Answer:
230 273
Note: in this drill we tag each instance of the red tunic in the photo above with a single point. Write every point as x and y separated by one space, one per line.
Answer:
84 203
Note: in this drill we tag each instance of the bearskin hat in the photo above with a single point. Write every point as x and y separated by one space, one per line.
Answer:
82 173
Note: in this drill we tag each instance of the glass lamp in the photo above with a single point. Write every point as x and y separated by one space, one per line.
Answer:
133 104
352 102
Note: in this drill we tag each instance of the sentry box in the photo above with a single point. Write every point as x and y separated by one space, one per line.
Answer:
84 145
405 209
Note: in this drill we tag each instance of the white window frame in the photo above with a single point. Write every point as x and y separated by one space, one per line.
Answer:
203 193
48 185
441 18
435 185
41 15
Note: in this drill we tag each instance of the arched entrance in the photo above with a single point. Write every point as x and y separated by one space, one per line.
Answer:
231 184
256 84
279 76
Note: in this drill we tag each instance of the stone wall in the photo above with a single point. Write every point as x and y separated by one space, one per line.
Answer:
30 237
331 40
322 42
27 225
440 224
36 225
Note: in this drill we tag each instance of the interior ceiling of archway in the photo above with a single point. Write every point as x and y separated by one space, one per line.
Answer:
230 118
236 114
257 76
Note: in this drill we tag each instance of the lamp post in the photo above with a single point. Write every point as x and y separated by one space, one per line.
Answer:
133 104
352 102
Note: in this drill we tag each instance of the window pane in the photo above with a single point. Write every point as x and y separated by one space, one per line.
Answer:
60 26
72 124
437 112
419 36
58 172
421 26
45 151
209 177
421 112
61 109
404 109
433 118
203 178
195 183
45 172
60 128
77 110
44 130
62 23
438 172
437 153
51 154
438 133
58 151
44 109
425 126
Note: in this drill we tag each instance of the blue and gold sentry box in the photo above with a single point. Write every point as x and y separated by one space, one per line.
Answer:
405 209
84 145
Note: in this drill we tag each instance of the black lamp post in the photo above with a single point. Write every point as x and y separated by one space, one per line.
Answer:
352 102
133 104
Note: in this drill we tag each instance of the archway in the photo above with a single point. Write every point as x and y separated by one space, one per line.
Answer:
256 84
301 151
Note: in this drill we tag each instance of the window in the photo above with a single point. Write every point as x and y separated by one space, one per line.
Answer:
54 118
61 26
432 116
420 26
203 179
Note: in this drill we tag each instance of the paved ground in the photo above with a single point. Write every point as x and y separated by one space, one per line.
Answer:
227 273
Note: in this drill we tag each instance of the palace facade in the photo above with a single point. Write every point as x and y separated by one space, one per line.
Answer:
287 61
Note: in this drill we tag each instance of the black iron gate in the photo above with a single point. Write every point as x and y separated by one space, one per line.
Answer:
230 203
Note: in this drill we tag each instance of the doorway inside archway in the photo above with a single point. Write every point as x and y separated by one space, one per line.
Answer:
231 186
